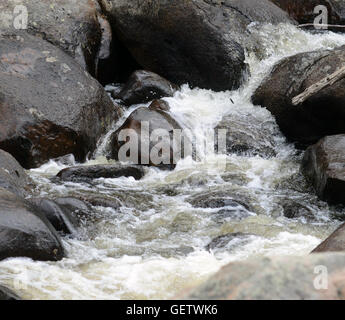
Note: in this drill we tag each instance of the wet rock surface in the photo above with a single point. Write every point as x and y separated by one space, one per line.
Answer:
144 86
161 37
229 242
7 295
335 242
324 166
87 173
323 113
12 176
25 232
49 105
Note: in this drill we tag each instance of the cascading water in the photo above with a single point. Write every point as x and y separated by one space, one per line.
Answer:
154 246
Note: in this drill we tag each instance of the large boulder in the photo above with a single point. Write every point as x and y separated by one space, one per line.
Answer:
49 106
321 114
144 86
12 176
312 277
324 165
142 140
304 11
201 42
25 232
75 26
88 173
335 242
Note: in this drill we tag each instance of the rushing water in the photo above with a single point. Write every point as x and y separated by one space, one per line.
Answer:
154 245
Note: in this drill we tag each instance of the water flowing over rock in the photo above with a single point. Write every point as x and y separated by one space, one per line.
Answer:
12 176
144 86
87 173
199 42
304 11
275 278
7 295
335 242
147 121
324 166
49 105
323 113
229 241
71 25
25 232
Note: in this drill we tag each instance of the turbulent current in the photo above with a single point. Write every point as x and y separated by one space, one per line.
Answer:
154 246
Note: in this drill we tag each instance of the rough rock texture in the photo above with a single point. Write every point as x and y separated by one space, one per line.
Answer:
322 114
59 216
75 26
144 86
12 176
87 173
49 106
159 105
25 232
324 165
287 278
335 242
303 10
7 294
200 41
137 123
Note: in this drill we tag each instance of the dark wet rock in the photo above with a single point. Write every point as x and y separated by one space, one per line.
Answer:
303 11
59 216
275 278
335 242
156 120
246 136
7 294
322 114
87 173
199 42
102 201
49 105
159 105
25 232
324 166
295 210
12 176
144 86
75 26
229 242
77 207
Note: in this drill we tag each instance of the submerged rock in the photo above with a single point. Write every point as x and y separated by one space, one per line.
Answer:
59 216
87 173
323 113
199 42
12 176
324 166
163 153
71 25
25 232
229 242
144 86
49 105
7 294
335 242
295 210
275 278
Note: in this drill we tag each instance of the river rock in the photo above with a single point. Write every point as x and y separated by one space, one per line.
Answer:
335 242
276 278
137 123
25 232
7 294
59 216
12 176
159 105
197 42
303 11
49 105
229 242
144 86
87 173
320 115
75 26
324 166
294 210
